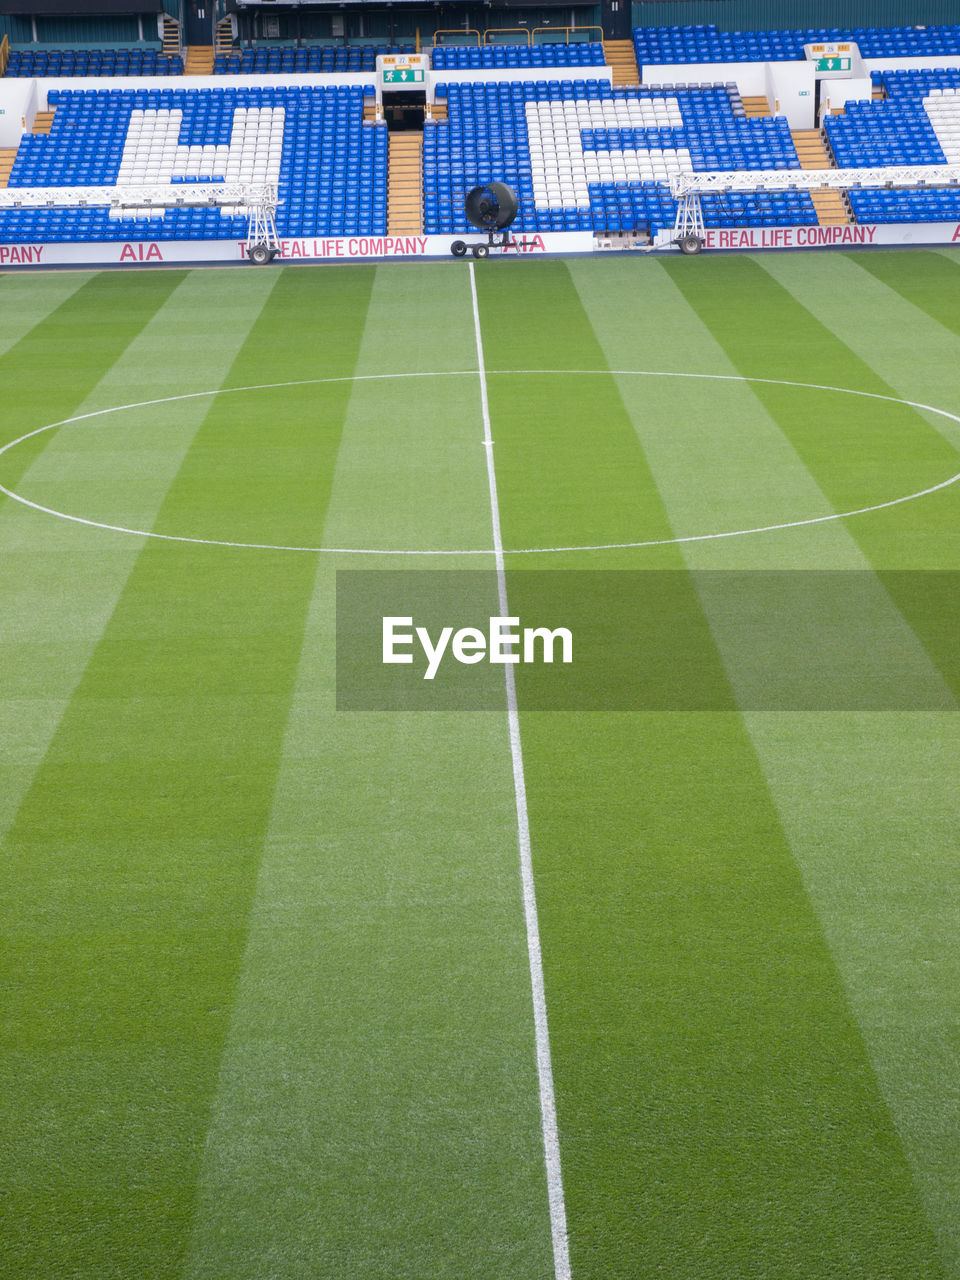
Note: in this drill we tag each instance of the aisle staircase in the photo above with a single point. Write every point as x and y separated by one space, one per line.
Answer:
43 122
831 206
756 107
621 58
199 60
405 184
7 156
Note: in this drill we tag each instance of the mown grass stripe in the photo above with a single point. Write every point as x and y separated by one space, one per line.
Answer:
718 1112
377 1106
856 450
548 1107
134 856
772 328
50 370
593 447
719 460
59 582
861 309
412 450
918 276
26 299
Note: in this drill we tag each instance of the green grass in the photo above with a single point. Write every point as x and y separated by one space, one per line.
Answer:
265 987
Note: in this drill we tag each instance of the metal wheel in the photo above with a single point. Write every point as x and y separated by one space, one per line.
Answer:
480 250
259 255
690 244
458 248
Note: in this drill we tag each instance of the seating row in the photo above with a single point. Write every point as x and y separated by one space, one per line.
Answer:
706 43
465 57
919 82
937 205
92 62
318 58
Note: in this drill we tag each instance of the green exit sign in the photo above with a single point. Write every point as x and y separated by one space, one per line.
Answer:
403 75
833 64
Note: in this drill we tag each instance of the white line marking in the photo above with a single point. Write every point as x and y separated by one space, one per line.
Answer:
484 551
548 1109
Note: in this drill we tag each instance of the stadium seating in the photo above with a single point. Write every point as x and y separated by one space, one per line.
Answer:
706 43
467 58
584 156
92 62
325 59
906 206
919 82
883 133
331 167
322 59
918 123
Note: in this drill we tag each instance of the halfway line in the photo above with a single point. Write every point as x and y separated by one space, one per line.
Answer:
548 1108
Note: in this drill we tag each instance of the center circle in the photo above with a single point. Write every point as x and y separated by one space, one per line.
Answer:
476 551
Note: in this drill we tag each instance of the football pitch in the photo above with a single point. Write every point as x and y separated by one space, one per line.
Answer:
630 983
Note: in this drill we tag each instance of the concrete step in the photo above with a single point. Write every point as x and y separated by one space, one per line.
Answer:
43 122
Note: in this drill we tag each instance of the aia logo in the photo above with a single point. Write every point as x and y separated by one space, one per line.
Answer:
141 253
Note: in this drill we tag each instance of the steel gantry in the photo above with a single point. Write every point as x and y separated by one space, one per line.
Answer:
687 188
258 201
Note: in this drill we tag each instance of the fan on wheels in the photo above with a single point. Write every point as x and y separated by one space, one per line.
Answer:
491 208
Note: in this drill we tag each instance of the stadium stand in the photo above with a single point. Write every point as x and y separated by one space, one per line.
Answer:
330 166
706 43
92 62
584 156
581 154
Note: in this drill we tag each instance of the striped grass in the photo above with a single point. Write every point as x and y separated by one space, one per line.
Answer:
266 1003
